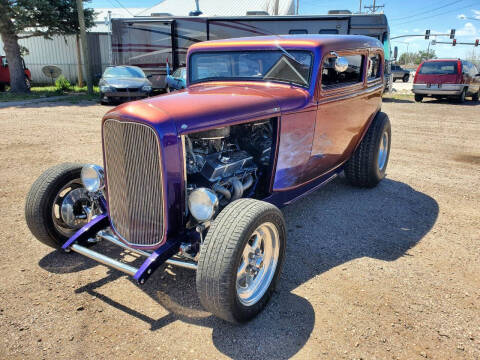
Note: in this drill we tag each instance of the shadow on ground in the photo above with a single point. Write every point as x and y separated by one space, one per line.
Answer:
330 227
397 100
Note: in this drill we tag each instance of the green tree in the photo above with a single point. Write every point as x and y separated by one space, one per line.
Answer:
27 18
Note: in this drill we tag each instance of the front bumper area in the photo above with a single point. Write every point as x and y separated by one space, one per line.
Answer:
99 229
438 89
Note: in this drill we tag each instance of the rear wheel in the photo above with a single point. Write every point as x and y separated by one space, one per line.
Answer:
2 87
367 166
405 78
241 260
476 96
461 97
418 98
57 205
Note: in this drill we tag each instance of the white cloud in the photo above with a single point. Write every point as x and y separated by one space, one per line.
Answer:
461 16
416 30
468 30
477 14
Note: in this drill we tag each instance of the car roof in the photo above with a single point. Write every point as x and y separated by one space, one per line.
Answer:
302 41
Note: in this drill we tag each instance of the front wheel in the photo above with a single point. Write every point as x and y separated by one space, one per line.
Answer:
418 98
57 205
241 260
368 165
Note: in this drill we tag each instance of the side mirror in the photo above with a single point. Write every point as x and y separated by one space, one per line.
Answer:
395 52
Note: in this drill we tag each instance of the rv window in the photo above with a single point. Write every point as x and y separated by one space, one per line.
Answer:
297 31
328 31
332 79
374 67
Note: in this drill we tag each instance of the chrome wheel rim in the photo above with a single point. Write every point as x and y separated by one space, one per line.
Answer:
383 151
258 264
71 208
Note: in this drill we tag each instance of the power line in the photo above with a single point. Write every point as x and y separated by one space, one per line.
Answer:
431 16
119 3
426 11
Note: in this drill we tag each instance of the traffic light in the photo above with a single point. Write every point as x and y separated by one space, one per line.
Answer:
452 34
476 42
454 42
427 34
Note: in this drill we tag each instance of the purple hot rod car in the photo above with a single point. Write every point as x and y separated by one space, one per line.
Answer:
195 178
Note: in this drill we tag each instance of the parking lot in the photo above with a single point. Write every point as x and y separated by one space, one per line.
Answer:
387 273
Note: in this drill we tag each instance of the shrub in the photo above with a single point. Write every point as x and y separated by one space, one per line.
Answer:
62 83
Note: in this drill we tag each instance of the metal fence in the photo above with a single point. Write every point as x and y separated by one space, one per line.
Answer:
61 51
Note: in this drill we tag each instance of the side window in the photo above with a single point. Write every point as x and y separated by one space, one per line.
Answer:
328 31
298 31
374 67
332 79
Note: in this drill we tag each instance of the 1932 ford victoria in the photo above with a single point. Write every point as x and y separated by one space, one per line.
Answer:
194 178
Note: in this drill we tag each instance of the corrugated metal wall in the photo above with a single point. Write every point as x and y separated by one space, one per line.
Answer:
61 51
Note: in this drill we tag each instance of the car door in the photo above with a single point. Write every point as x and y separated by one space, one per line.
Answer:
346 102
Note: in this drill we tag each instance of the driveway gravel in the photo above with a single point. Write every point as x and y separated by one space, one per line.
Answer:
385 273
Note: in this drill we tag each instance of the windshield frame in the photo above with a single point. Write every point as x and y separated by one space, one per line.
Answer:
124 77
247 78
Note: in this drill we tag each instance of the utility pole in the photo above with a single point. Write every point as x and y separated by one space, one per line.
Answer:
275 8
83 36
298 5
373 8
360 8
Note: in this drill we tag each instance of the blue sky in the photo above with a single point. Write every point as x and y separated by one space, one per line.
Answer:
405 17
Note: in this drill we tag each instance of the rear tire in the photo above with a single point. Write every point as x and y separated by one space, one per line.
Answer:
367 166
238 270
405 78
2 87
418 98
461 98
42 199
476 96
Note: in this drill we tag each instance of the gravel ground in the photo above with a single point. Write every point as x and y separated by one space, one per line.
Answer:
386 273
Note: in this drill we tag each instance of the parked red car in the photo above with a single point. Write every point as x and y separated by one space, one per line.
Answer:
447 78
5 74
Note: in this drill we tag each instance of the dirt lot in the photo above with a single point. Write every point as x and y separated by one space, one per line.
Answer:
387 273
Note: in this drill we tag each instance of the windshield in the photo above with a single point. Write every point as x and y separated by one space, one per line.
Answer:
290 67
439 68
123 71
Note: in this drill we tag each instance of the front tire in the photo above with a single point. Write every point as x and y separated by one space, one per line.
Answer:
418 98
241 260
55 204
368 165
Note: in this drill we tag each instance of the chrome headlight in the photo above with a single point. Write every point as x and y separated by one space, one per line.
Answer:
147 88
203 203
93 177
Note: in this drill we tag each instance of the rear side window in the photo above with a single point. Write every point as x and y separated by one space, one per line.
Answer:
332 79
374 63
439 68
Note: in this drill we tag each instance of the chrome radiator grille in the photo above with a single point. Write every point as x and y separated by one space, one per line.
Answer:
134 180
